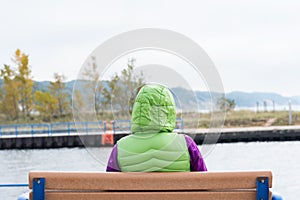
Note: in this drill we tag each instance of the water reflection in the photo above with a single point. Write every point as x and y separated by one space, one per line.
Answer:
282 158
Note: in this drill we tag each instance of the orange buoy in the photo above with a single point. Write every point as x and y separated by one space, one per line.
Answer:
108 138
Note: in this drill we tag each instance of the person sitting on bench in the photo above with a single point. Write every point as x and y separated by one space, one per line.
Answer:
153 146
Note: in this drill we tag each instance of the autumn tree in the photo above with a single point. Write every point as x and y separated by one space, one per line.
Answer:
45 104
57 90
79 101
18 86
11 95
113 94
121 87
1 100
112 90
24 81
226 104
94 85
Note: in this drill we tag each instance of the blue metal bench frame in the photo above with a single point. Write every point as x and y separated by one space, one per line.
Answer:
262 188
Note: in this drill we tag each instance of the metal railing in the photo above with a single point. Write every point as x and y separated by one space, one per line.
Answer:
14 185
49 129
23 195
116 126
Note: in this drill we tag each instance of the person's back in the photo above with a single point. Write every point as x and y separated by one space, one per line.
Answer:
153 146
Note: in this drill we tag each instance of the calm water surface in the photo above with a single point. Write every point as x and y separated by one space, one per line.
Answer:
282 158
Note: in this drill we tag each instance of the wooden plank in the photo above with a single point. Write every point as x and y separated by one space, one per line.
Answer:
247 195
152 195
149 181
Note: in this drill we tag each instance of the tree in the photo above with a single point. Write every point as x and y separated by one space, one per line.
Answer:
112 91
56 89
24 81
46 104
94 85
79 101
226 104
122 87
10 99
18 86
1 100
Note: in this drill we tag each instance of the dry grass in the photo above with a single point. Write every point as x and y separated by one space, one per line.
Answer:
245 118
242 118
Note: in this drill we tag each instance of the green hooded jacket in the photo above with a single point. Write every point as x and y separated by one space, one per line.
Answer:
153 146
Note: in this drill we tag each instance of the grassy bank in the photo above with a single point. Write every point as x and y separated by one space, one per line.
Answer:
246 118
242 118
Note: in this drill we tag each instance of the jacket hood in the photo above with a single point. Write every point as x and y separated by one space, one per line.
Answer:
153 110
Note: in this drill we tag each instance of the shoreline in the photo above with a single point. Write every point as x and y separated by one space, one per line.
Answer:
201 136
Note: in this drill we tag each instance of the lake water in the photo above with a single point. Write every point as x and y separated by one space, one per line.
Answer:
282 158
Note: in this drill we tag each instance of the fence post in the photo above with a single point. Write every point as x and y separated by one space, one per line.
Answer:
69 128
104 126
32 129
16 129
50 129
182 124
86 128
113 126
290 113
129 126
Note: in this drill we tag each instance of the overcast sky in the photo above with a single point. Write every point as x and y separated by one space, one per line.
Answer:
254 44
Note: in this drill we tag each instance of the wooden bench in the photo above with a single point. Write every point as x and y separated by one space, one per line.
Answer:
148 186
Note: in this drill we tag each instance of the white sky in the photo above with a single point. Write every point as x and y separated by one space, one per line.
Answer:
255 44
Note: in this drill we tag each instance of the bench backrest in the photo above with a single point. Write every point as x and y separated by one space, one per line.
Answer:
129 186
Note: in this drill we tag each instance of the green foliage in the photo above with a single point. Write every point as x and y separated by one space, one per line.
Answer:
116 92
226 104
46 104
18 86
94 84
56 89
25 83
20 96
1 101
11 96
121 88
79 101
18 103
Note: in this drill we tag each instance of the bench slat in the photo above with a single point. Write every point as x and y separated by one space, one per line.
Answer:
149 181
249 195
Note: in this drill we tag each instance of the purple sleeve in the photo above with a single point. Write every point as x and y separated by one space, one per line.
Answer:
196 160
112 165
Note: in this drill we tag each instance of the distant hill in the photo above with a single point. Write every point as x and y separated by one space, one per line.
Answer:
245 99
242 99
188 99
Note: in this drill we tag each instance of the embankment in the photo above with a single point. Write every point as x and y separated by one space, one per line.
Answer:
254 134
